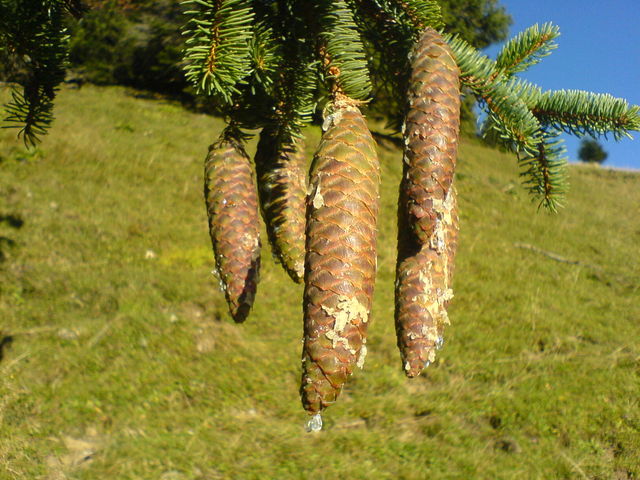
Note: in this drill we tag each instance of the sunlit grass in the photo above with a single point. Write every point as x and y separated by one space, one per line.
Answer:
120 361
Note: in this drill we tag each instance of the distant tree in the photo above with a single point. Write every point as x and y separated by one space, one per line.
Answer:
591 151
127 42
479 22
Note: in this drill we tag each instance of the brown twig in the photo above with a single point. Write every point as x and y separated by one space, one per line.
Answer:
555 256
386 137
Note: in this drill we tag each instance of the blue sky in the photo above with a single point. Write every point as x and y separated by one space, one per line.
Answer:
598 50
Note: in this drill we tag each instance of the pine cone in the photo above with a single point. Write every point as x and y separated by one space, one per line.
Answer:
232 207
430 132
282 187
427 213
340 262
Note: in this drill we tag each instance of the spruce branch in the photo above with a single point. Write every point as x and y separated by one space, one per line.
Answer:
477 71
583 113
34 34
578 112
345 63
527 48
515 125
544 170
265 56
527 120
422 14
217 48
297 75
295 98
508 115
388 36
31 110
528 92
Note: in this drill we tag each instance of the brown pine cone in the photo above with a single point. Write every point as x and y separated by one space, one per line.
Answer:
340 263
232 207
430 132
427 213
282 188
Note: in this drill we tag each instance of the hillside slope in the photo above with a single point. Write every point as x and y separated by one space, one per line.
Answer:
119 359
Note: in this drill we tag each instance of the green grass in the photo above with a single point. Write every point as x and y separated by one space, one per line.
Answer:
120 361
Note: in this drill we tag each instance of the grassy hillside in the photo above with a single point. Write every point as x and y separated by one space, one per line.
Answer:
119 360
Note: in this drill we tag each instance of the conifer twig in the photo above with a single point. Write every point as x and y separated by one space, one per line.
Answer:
554 256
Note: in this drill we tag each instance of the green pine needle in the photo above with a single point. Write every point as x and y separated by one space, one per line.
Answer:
584 113
35 34
422 14
527 120
477 71
527 48
507 114
31 110
347 64
265 57
545 171
217 49
578 112
297 75
515 125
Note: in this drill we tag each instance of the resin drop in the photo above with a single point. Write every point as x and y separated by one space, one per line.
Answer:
315 423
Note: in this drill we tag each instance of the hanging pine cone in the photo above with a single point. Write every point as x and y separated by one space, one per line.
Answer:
430 132
340 265
282 187
427 213
232 207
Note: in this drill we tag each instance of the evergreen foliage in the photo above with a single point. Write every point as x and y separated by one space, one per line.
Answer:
139 47
269 62
527 48
478 22
526 120
584 113
294 85
34 36
544 169
423 13
343 55
217 54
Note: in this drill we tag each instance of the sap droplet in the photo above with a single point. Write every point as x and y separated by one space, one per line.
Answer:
439 342
426 364
315 423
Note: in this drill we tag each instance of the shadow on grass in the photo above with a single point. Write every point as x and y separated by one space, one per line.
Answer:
5 343
13 221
